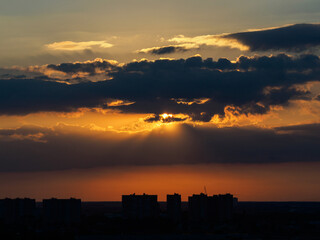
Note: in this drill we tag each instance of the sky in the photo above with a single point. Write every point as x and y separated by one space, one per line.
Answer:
102 98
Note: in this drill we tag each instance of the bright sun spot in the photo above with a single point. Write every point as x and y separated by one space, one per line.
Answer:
165 116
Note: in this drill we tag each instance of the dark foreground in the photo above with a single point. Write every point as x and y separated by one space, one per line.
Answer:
251 220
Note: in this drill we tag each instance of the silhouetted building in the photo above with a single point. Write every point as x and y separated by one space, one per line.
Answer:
62 211
198 207
224 206
218 208
235 202
174 207
140 206
17 210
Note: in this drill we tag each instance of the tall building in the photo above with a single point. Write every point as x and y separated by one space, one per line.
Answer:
198 206
217 208
17 210
222 207
235 202
226 206
62 211
140 206
174 207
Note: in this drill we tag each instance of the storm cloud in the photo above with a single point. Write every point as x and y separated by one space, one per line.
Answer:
295 38
155 87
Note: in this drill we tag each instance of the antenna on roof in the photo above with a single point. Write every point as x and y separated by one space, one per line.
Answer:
205 190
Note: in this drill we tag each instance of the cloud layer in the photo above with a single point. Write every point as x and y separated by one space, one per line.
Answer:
295 38
41 149
292 38
252 85
169 49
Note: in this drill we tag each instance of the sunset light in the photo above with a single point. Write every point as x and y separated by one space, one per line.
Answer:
173 119
165 116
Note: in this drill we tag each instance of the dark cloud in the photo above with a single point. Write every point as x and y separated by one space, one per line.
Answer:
68 148
280 62
165 50
167 119
295 38
305 129
86 67
23 96
251 84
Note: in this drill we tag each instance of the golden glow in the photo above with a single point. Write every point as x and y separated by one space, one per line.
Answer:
117 103
77 46
297 112
194 101
165 116
210 40
279 180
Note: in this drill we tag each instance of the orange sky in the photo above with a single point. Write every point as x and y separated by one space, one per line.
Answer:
265 182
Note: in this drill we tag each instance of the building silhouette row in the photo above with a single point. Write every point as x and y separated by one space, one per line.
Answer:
201 208
17 210
55 211
211 208
140 206
62 211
